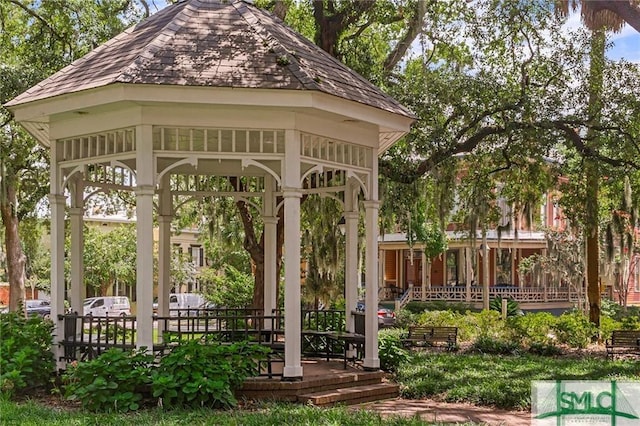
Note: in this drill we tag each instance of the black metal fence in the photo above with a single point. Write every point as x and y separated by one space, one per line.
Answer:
86 337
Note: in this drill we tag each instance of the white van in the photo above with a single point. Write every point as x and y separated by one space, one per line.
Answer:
107 305
183 303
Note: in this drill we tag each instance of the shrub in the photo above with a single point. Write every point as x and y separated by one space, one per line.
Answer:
533 328
405 318
630 323
607 325
115 381
497 346
439 318
459 308
574 329
544 349
390 349
201 375
610 308
486 324
513 308
26 360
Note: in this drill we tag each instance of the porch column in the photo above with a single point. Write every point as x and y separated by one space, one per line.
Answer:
401 267
78 290
144 233
371 360
351 268
382 260
57 203
165 207
292 318
292 194
426 283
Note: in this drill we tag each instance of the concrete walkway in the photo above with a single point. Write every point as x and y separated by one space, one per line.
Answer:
443 412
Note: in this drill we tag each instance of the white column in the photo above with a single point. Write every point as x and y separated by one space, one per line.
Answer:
371 360
77 290
57 203
270 272
292 193
351 268
164 264
165 207
145 190
382 265
144 264
292 318
270 249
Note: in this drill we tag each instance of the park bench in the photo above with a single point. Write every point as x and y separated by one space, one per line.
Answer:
425 336
623 342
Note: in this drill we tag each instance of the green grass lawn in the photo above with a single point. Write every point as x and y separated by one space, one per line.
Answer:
33 414
501 381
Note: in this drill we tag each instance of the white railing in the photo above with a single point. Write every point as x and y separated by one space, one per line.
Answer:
404 298
475 294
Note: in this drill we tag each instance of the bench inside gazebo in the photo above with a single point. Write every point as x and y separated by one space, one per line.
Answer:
212 98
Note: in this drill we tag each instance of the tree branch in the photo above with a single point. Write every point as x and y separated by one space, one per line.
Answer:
413 29
38 17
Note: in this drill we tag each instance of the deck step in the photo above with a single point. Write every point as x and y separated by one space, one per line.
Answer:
351 395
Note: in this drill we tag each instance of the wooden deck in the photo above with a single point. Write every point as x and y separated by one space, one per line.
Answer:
323 383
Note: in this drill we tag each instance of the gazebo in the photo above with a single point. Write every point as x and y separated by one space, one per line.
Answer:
213 88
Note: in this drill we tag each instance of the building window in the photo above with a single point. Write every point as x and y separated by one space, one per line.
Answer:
452 267
197 255
503 267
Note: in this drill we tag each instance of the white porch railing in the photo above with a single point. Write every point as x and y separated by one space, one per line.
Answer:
475 294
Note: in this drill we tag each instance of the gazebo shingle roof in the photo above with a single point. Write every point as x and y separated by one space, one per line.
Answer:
213 43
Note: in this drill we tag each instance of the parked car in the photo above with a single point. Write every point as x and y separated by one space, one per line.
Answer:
386 316
106 305
38 307
34 307
183 303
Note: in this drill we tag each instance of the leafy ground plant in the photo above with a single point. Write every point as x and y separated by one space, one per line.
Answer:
26 360
201 375
115 381
390 349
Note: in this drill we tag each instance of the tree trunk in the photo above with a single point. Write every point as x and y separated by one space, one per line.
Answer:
258 285
16 259
592 174
328 28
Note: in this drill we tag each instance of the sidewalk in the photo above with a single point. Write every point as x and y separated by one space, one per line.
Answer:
435 411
